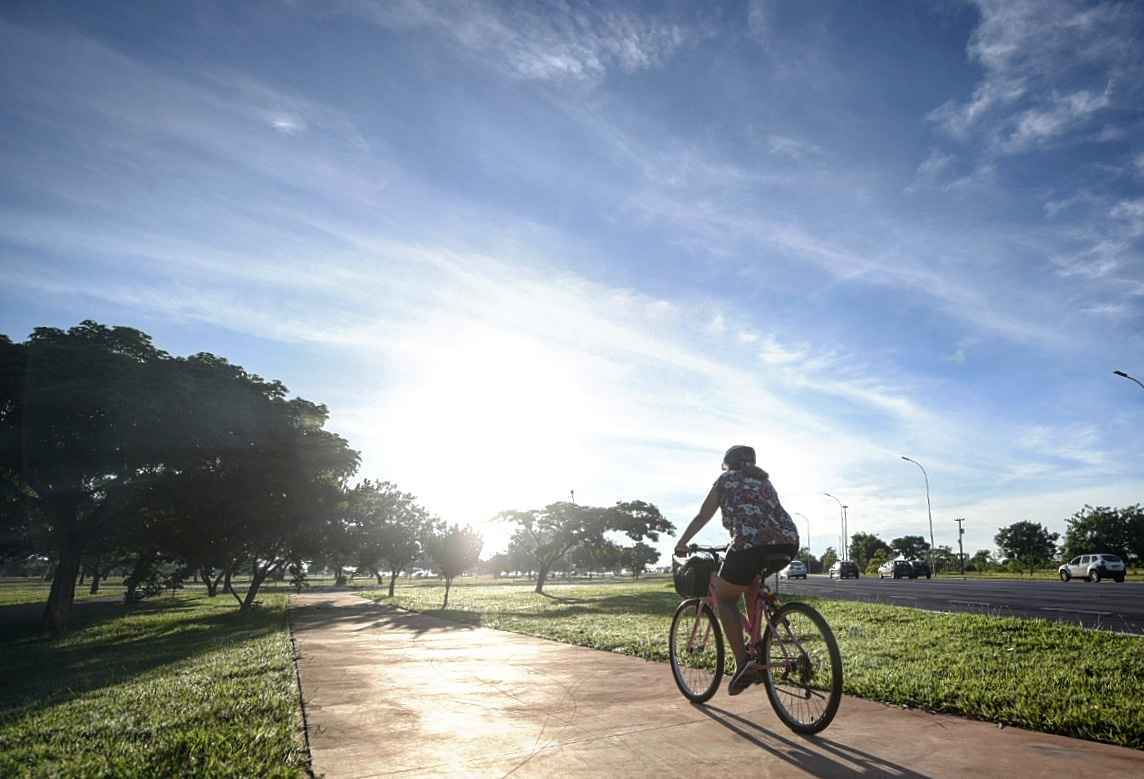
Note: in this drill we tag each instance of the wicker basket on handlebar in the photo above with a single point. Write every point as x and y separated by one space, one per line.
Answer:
693 577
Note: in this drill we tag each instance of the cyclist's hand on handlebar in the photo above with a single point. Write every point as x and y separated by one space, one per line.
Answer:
681 549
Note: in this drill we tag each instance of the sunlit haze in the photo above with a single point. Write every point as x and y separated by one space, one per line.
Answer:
528 248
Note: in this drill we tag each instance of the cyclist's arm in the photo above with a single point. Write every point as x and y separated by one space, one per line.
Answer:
706 511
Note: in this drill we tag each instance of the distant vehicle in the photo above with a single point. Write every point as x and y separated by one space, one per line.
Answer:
844 569
796 570
1093 568
921 568
896 569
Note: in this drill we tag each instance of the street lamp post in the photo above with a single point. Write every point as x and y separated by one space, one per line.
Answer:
1124 375
842 519
800 514
929 511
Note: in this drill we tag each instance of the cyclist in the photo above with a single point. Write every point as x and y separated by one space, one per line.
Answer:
760 529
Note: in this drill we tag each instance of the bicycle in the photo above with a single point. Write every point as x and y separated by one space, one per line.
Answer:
797 654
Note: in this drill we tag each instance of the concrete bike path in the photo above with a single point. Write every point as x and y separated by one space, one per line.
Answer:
392 692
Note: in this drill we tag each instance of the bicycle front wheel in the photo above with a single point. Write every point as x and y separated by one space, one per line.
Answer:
803 668
696 645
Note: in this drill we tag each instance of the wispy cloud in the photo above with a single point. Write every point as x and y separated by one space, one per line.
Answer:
793 148
542 41
1031 52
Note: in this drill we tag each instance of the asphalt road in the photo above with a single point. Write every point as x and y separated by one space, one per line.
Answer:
1107 604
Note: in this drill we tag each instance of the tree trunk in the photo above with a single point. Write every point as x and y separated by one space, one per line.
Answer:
82 575
258 575
226 579
541 577
378 575
62 596
339 576
206 575
392 581
96 577
213 587
448 584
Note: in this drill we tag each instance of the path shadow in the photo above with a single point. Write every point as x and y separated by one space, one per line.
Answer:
38 671
326 613
842 760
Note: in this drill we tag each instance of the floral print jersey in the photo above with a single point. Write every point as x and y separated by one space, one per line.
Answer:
751 509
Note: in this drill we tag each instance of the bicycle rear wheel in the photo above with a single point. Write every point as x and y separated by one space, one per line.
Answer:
804 668
696 645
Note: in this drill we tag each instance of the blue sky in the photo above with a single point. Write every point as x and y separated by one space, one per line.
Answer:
526 248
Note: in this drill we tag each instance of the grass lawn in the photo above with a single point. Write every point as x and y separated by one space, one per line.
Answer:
24 591
172 686
1035 674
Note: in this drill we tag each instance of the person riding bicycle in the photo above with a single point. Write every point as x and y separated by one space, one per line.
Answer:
761 530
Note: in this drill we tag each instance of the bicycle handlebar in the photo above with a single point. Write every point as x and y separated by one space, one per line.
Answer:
708 549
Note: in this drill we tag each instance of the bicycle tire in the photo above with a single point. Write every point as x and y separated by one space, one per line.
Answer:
827 716
687 610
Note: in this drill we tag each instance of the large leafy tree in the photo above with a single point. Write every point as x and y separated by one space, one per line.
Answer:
1108 530
1029 543
389 528
863 547
910 547
84 414
551 532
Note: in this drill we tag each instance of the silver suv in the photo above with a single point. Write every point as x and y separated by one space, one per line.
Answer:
1093 568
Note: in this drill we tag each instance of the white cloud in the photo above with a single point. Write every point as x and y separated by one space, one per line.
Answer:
1030 50
544 42
793 148
758 18
1037 126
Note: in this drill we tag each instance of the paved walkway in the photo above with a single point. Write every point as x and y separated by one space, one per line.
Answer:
389 692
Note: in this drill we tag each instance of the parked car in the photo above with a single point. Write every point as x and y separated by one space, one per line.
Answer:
896 569
844 569
1093 568
921 568
796 570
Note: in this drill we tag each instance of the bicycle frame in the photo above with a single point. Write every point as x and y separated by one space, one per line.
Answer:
761 602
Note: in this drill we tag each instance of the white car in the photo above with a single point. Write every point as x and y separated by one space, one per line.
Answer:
796 570
1093 568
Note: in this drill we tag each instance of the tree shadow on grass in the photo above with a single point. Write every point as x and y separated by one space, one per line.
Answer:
324 614
833 759
38 672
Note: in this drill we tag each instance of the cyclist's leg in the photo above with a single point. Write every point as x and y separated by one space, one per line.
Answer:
728 594
740 567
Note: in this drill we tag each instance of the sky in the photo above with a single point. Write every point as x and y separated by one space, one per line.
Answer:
521 249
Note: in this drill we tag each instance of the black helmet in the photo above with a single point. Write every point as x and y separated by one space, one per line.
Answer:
738 456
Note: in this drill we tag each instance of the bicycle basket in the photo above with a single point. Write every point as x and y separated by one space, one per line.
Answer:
693 577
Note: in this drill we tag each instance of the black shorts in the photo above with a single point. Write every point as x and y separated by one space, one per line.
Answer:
743 565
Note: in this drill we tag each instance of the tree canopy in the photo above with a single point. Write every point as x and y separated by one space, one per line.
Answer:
545 536
1029 543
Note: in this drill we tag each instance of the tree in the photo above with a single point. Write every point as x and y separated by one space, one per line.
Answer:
876 561
389 528
1029 543
863 547
829 557
1107 530
982 560
910 547
550 533
454 551
637 558
83 413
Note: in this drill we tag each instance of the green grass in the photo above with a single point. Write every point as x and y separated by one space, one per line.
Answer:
1035 674
173 686
15 592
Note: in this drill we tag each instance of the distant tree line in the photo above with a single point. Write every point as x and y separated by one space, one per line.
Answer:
116 456
1025 546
